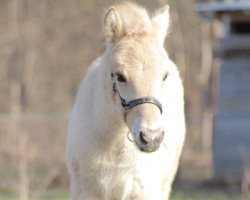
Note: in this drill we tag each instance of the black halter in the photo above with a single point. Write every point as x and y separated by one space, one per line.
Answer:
127 105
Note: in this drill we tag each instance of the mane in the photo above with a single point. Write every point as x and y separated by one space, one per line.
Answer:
135 19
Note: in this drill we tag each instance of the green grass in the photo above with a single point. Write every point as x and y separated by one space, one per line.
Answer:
179 194
202 196
5 196
53 194
57 194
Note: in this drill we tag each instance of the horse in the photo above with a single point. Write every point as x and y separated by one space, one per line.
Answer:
127 126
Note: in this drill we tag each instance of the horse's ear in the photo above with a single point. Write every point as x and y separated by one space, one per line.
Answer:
160 23
113 28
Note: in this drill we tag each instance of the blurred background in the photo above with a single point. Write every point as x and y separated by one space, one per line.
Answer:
46 47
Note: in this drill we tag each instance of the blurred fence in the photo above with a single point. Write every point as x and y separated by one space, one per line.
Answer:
45 48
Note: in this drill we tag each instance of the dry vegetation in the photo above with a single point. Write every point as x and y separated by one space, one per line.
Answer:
45 48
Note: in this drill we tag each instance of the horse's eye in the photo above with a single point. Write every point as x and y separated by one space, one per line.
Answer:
165 77
121 78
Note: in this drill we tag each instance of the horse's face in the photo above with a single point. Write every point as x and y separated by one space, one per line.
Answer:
139 65
140 70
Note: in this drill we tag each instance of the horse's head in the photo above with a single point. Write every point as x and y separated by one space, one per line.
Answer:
138 64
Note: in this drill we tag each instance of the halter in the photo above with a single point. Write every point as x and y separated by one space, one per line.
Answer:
135 102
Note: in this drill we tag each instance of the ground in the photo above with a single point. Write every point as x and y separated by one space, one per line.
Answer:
178 194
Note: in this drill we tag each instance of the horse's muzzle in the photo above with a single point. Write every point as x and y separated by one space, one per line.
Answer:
150 140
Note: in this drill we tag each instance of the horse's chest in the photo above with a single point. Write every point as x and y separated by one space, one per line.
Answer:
126 179
120 184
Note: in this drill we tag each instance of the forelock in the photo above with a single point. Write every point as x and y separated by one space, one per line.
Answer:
135 19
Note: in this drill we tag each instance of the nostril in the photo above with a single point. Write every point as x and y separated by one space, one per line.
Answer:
143 139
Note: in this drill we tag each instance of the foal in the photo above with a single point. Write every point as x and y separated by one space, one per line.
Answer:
127 127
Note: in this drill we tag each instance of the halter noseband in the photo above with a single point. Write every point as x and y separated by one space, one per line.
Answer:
135 102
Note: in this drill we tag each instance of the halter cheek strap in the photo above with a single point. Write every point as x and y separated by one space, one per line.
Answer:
135 102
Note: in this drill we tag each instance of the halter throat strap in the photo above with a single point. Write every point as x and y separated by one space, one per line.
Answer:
135 102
